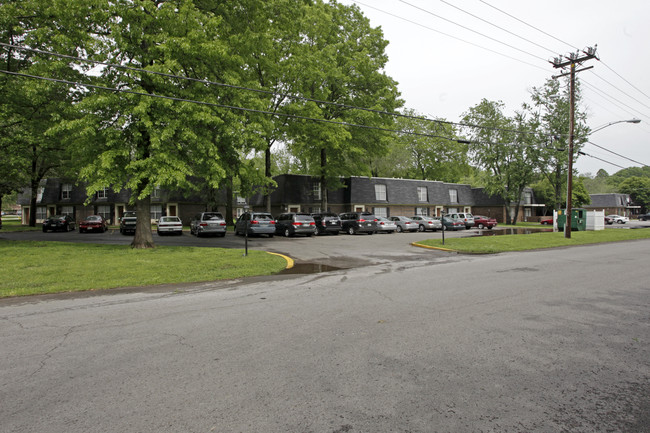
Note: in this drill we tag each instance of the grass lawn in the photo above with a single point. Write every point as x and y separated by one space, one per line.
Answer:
12 224
29 268
502 243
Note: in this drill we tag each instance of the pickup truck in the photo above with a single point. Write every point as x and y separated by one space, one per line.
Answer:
127 223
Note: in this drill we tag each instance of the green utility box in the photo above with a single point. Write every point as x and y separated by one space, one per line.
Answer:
578 219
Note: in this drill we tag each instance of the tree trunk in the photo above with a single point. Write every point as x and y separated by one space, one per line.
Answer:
229 217
143 237
323 180
267 173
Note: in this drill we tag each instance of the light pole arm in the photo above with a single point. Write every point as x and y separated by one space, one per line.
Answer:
614 123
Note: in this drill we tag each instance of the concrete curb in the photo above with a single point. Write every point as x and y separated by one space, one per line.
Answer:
415 244
289 260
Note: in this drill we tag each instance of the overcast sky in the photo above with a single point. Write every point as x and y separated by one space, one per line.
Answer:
441 76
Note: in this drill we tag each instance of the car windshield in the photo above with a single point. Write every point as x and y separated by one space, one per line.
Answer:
169 219
262 216
212 216
303 218
129 214
94 218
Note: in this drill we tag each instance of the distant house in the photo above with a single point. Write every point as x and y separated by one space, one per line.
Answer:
390 197
62 197
613 203
294 193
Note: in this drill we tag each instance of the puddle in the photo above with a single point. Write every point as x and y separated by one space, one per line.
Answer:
309 268
513 231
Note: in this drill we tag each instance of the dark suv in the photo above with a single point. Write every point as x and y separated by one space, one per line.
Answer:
358 222
295 223
327 223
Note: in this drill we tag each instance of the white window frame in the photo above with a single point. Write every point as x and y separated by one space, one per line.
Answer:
105 211
102 193
423 194
453 196
155 193
422 211
316 189
380 192
381 211
155 211
528 197
66 191
41 212
67 210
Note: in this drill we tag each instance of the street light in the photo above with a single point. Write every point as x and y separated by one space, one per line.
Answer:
614 123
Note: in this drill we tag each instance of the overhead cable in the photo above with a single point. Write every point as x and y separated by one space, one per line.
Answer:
472 30
262 91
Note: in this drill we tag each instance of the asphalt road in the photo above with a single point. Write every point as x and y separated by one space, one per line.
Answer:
547 341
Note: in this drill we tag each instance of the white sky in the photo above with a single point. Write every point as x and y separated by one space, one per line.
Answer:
443 77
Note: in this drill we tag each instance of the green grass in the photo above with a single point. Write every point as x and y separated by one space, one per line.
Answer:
52 267
10 224
498 244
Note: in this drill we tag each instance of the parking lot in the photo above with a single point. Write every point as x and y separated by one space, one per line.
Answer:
342 250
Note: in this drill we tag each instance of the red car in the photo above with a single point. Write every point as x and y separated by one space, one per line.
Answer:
93 223
547 221
484 222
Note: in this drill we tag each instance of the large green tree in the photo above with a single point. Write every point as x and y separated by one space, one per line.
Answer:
31 109
550 108
343 65
424 149
639 190
497 146
133 139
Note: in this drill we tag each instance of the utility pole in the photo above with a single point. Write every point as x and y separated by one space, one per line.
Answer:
572 61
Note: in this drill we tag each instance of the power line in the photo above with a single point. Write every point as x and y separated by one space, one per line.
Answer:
614 100
603 160
230 107
498 27
617 154
447 34
529 25
626 94
471 30
623 78
267 92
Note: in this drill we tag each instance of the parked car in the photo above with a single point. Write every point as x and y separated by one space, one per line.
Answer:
644 217
547 221
466 218
609 221
452 223
169 225
384 225
327 223
482 222
427 223
64 223
404 224
208 223
619 219
93 223
128 222
255 223
358 222
295 223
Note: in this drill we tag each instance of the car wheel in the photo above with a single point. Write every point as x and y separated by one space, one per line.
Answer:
399 229
545 223
270 235
620 221
370 233
222 235
481 226
351 230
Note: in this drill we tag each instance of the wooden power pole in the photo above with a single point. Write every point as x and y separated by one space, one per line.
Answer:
573 60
